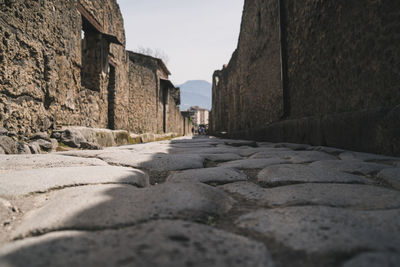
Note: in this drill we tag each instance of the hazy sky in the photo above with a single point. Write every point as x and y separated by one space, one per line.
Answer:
199 36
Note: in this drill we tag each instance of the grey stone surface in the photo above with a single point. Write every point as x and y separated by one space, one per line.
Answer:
2 151
105 206
23 148
363 197
222 157
208 175
253 163
374 259
292 146
291 173
41 180
23 162
295 156
366 156
34 147
151 161
72 137
326 149
161 243
391 176
318 229
40 135
351 166
3 131
44 145
8 145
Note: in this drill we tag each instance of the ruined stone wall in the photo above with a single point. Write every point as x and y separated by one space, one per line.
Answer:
143 98
146 98
249 88
174 118
337 56
40 70
342 55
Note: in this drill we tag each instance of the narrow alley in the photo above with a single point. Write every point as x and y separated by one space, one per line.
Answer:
200 201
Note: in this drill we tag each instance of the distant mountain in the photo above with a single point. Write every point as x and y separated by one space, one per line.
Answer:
195 93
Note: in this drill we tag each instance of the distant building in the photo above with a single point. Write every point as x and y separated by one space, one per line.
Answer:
200 115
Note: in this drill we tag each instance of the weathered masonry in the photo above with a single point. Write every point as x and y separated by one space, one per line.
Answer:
153 99
319 72
65 63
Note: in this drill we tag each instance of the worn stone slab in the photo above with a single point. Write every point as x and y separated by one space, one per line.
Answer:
292 146
222 157
253 163
105 206
318 229
208 175
24 182
295 156
292 173
158 162
326 149
374 259
351 166
23 162
163 243
366 156
363 197
391 176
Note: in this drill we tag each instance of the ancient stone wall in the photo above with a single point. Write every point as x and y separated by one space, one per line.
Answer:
41 61
298 59
342 55
143 95
150 92
64 63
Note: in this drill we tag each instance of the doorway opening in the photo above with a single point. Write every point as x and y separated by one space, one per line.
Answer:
111 98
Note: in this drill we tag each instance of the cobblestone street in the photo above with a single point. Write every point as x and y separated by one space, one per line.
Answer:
200 202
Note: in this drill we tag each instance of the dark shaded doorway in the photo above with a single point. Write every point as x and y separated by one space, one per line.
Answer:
111 98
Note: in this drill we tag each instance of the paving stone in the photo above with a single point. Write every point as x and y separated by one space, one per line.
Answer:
23 182
292 173
391 176
292 146
105 206
253 163
366 156
326 149
222 157
351 166
160 243
240 143
295 156
363 197
158 162
208 175
374 259
23 162
318 229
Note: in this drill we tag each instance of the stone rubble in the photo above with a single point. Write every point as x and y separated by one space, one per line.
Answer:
215 202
